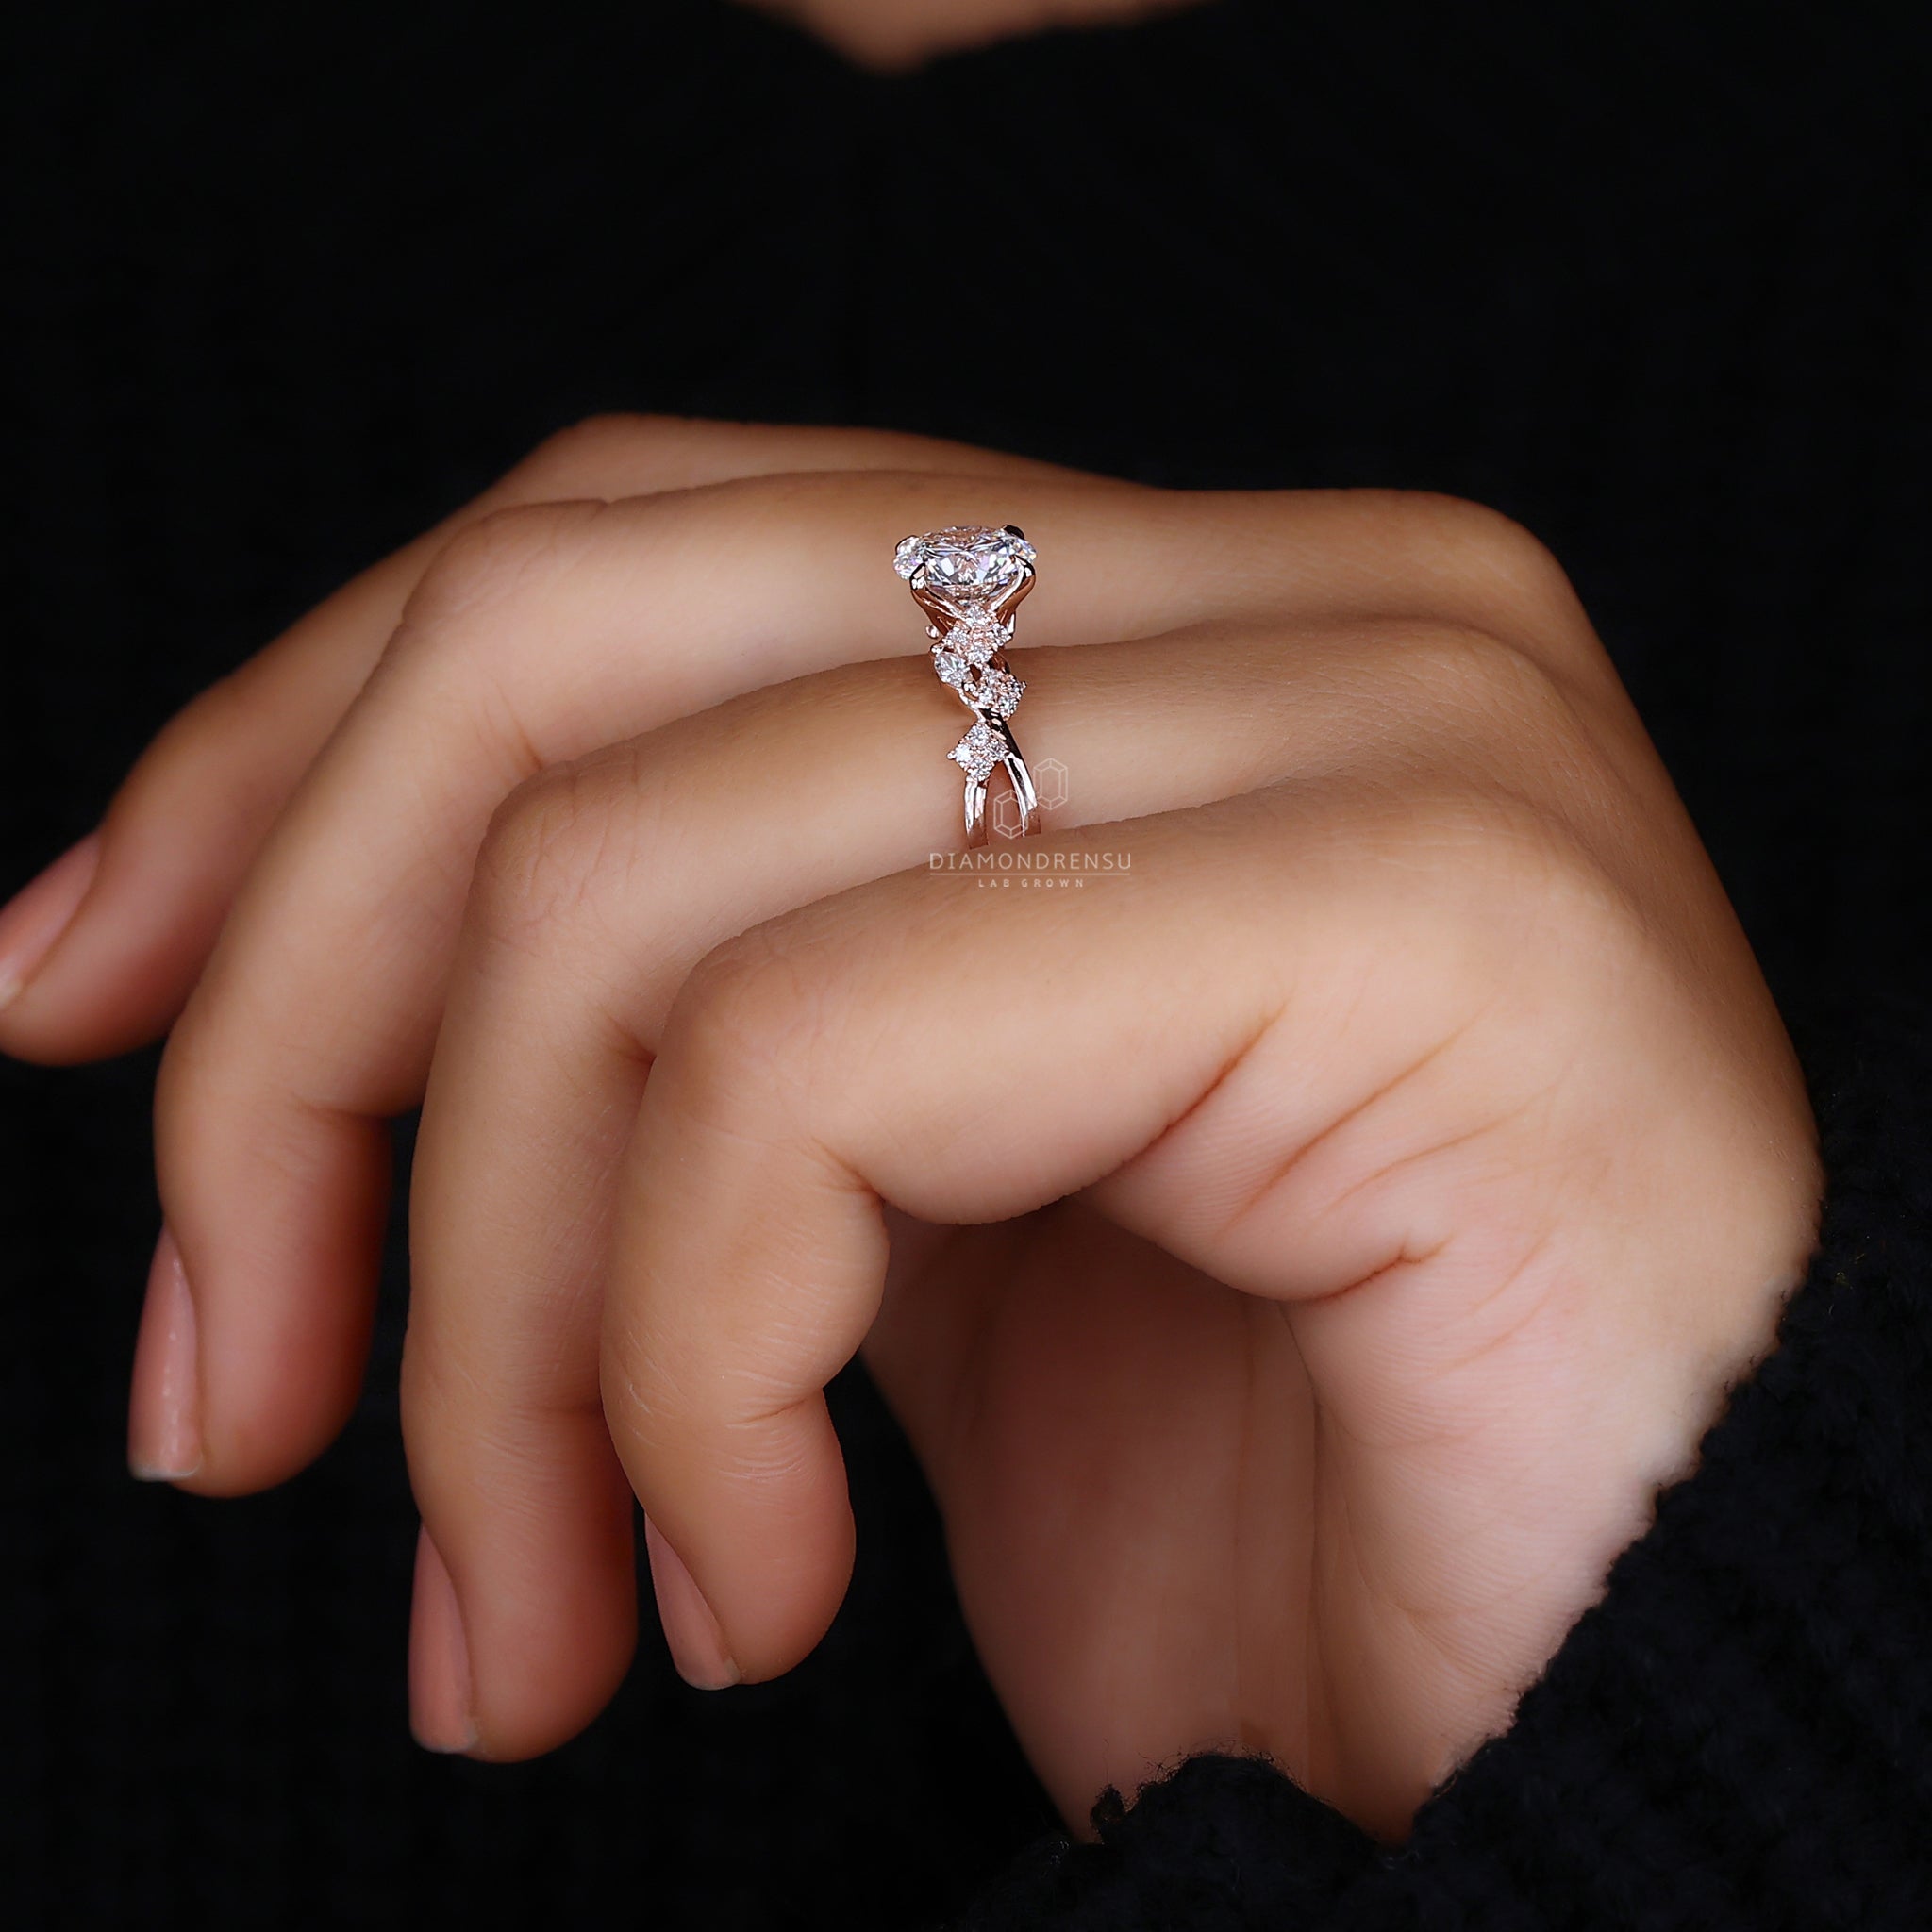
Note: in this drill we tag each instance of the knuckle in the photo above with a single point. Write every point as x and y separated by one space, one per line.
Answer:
554 849
1472 681
748 1022
1428 697
590 450
1506 575
191 766
1490 784
1528 887
1494 544
499 556
1480 903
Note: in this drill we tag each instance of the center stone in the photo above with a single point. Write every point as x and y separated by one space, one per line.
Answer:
966 562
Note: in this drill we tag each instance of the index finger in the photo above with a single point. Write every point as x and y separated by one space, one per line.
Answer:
860 1052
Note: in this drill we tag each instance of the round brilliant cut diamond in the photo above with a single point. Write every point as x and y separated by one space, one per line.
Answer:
967 561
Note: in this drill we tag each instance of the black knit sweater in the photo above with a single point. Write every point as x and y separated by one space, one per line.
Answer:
1650 278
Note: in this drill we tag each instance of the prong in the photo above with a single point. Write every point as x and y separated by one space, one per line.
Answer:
1013 594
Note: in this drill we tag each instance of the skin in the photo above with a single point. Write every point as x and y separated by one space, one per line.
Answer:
887 34
1296 1254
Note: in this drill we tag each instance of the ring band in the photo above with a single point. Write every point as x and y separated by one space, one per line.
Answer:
968 580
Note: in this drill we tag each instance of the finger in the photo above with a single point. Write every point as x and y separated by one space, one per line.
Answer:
314 1020
965 1057
195 808
599 887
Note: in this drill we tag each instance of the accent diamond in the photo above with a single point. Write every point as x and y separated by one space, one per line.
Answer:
997 694
979 751
967 563
978 637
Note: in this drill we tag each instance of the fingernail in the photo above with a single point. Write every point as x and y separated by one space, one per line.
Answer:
698 1645
37 915
164 1401
439 1658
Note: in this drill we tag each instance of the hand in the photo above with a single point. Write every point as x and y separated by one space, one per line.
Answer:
1296 1254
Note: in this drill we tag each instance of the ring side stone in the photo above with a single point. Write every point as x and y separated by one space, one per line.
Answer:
979 751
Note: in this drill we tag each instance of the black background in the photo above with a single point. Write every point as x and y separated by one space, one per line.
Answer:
294 281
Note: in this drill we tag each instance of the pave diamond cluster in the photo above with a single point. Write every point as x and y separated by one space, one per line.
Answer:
967 581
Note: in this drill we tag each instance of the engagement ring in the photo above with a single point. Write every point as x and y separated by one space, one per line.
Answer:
968 581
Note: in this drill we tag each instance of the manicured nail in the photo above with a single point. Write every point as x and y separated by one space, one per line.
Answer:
38 914
164 1402
698 1645
439 1658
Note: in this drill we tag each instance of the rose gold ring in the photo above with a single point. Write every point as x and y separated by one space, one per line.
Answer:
968 581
